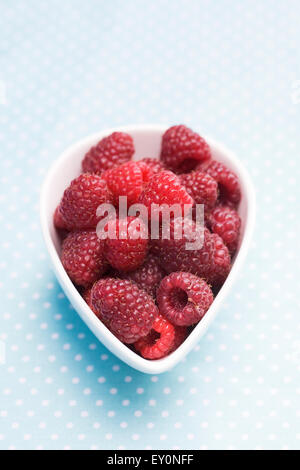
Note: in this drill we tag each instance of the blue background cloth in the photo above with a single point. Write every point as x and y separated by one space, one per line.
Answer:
229 69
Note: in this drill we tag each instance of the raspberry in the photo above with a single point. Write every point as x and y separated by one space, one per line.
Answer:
129 249
164 188
83 257
87 296
173 255
58 220
202 187
147 277
77 209
150 167
182 149
229 188
125 180
161 341
181 333
184 298
127 311
61 229
111 151
220 267
226 222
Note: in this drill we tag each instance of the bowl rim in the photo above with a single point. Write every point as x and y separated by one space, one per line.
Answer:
101 332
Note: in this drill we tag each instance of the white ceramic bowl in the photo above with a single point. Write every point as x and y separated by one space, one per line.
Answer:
147 141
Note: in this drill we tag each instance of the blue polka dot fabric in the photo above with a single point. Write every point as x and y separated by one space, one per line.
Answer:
229 69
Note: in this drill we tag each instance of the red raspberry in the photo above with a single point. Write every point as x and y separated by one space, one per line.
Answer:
150 167
125 180
129 249
184 298
83 257
111 151
87 296
164 188
80 201
173 255
202 187
127 311
147 277
162 339
58 220
220 267
181 333
182 149
226 222
59 225
229 188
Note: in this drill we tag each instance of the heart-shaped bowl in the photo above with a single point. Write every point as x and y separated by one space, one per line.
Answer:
147 141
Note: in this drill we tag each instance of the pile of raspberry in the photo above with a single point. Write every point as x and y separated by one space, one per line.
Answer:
150 293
